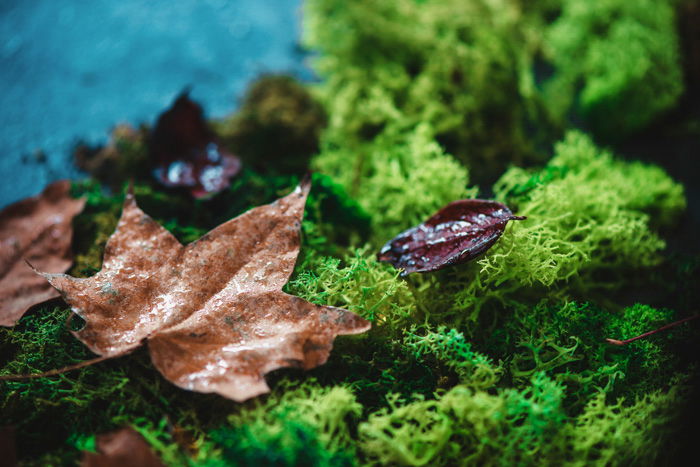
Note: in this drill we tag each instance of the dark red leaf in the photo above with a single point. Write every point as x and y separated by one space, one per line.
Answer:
455 234
187 152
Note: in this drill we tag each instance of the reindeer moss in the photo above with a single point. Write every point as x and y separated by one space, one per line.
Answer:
358 283
501 361
297 425
617 63
466 427
589 226
277 127
458 66
400 178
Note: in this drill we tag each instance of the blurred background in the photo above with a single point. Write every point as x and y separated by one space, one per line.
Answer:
71 70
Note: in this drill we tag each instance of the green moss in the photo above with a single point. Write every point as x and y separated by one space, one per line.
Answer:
358 283
567 342
466 427
501 361
297 425
449 347
124 158
619 434
461 67
623 56
589 226
48 411
401 179
92 227
526 427
277 127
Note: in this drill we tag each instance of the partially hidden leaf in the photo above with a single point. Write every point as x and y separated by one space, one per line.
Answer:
187 152
455 234
37 230
124 447
8 447
213 312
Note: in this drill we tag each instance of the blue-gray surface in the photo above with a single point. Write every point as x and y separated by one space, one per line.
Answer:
71 69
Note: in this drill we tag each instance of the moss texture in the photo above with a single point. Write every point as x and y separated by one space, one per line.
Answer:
277 127
501 361
618 63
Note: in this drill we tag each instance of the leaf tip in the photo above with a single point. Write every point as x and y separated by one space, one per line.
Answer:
614 341
305 184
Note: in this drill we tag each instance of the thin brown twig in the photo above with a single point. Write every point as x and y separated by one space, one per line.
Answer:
59 371
662 328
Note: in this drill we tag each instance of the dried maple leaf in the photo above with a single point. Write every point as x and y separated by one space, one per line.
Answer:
38 230
124 447
455 234
213 312
187 151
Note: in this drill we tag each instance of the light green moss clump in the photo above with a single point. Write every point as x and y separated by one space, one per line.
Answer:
466 427
358 283
594 217
527 427
400 178
623 56
459 66
589 226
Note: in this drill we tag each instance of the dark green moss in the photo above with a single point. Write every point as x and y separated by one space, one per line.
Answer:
278 126
295 445
568 343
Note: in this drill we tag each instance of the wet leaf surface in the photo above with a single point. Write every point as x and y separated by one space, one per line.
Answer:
213 312
124 447
456 234
187 152
37 230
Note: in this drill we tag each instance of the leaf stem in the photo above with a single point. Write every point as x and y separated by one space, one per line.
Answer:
662 328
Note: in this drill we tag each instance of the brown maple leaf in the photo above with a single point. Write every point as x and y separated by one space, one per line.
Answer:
39 230
124 447
213 312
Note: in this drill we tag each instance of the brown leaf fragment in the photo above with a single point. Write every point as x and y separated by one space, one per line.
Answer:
455 234
213 312
124 447
38 230
8 447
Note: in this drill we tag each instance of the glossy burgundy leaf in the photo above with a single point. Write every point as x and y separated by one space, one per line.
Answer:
187 152
124 447
38 230
455 234
213 312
